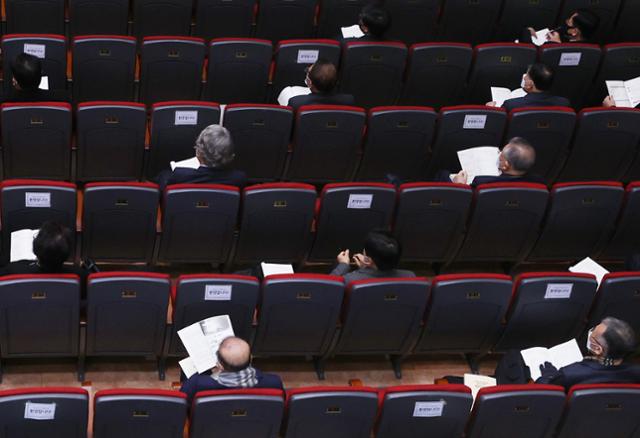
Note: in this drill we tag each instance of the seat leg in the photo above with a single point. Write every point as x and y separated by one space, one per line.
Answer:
81 369
474 362
396 363
162 367
1 370
318 364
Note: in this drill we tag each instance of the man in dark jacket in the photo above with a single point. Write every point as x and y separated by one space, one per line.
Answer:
27 75
322 77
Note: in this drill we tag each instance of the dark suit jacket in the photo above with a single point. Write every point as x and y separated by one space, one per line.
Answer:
535 99
591 371
342 269
321 99
202 175
204 382
16 96
32 267
486 179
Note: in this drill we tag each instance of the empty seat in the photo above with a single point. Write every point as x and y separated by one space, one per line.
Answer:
498 65
110 140
626 238
47 411
580 216
372 71
199 296
327 139
398 143
106 17
341 411
519 14
103 68
36 140
119 221
238 70
171 68
548 308
606 10
526 411
413 411
198 221
261 135
445 64
412 21
166 17
281 19
471 22
549 130
618 297
464 127
255 413
515 210
335 14
39 16
348 212
175 126
430 220
620 62
464 313
221 18
276 223
625 27
136 413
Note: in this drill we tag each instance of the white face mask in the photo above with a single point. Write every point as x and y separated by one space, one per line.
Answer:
589 344
522 83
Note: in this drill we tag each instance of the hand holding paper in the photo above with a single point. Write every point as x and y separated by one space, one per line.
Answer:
352 31
559 356
500 94
482 160
288 92
202 340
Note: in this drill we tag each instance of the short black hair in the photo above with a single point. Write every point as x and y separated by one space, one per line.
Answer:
27 71
541 75
323 74
376 18
521 155
383 248
52 246
587 22
620 338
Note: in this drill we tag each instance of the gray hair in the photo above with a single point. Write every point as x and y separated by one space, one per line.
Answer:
521 155
215 146
619 338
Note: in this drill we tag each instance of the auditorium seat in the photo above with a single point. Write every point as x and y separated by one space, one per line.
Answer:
412 21
347 213
326 142
104 17
220 18
604 146
282 19
255 413
161 17
238 70
42 16
20 412
127 314
618 296
464 127
137 413
261 134
36 140
606 10
497 65
381 316
519 14
464 313
626 28
372 71
340 411
601 410
436 74
198 222
335 14
547 308
275 225
110 140
398 142
103 68
415 411
525 411
620 62
175 126
550 131
469 21
505 222
119 220
195 297
626 237
430 220
580 216
171 68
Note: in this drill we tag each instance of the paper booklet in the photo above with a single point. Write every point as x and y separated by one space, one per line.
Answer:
44 83
625 93
477 382
541 37
293 91
202 340
275 268
22 245
559 356
189 163
500 94
588 266
352 31
481 160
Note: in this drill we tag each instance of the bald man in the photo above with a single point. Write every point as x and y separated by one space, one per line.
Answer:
232 371
322 77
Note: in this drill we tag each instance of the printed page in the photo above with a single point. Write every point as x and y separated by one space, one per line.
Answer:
477 382
288 92
565 354
275 268
541 37
216 329
633 91
500 94
44 83
518 92
22 245
352 31
198 347
189 163
618 92
533 358
482 160
588 266
188 367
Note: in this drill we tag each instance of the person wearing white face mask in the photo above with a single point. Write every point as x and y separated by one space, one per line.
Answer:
321 78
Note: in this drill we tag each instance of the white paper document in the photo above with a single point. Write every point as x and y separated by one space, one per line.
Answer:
275 268
500 94
293 91
22 245
352 31
540 37
588 266
44 83
201 340
482 160
625 94
477 382
559 356
189 163
39 411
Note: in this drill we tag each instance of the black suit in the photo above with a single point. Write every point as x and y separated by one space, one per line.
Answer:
526 178
37 95
321 99
202 175
591 371
535 99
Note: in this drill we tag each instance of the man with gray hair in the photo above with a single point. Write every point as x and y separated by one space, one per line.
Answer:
215 153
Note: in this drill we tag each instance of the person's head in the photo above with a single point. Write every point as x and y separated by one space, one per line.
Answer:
517 157
234 354
538 78
383 249
27 72
322 76
214 147
613 339
632 262
581 25
374 20
52 245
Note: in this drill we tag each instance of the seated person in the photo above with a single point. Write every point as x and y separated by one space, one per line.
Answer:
232 371
214 151
379 259
374 21
579 27
536 82
322 77
27 74
609 102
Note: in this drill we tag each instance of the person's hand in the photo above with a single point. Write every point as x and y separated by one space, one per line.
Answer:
362 261
492 103
343 257
554 36
608 101
532 31
547 368
460 177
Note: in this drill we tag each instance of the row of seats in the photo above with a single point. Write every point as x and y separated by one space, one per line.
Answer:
240 70
434 222
316 144
411 21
